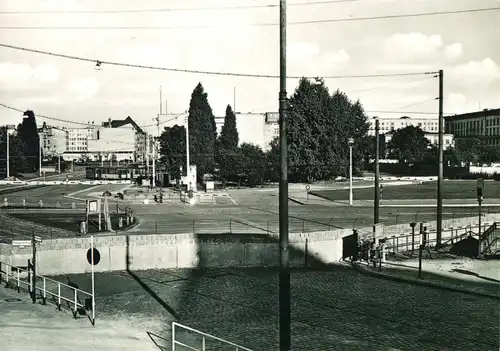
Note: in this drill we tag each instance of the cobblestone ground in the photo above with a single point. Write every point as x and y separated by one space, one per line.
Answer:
336 309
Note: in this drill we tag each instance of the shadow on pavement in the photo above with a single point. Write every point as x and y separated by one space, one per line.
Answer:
144 285
463 271
411 272
332 307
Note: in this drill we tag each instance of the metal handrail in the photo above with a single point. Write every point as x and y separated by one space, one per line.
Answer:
204 336
76 304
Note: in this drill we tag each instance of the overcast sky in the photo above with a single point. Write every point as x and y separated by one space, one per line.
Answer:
465 46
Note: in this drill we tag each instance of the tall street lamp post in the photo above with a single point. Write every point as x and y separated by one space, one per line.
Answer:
350 142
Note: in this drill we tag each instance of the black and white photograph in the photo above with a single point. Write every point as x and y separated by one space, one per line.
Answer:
250 175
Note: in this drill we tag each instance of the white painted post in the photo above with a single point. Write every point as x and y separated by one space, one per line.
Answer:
93 282
76 297
59 295
173 336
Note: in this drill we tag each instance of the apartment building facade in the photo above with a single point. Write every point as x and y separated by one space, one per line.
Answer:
387 125
483 125
120 140
53 141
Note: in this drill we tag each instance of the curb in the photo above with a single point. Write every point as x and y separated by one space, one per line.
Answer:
422 282
296 201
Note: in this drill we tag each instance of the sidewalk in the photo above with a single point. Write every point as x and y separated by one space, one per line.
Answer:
32 327
479 277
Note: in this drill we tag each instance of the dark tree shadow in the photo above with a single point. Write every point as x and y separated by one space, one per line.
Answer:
464 271
144 285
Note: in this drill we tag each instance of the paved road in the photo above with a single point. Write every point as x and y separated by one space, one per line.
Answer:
173 219
338 309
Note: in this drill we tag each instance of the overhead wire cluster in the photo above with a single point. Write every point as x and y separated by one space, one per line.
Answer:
242 25
100 62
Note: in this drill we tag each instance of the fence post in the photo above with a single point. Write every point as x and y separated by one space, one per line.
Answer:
194 232
268 226
230 225
412 225
156 227
303 226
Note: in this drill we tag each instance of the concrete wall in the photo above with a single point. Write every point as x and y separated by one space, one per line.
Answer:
67 256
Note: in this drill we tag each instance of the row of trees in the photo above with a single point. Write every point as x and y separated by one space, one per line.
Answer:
319 124
23 146
409 145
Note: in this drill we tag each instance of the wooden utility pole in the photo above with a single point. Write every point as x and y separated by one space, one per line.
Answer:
284 272
439 219
376 198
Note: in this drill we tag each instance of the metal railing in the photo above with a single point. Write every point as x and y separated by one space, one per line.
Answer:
15 277
204 337
409 242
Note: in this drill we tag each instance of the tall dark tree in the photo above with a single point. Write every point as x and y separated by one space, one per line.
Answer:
202 132
17 160
408 145
27 131
319 126
173 150
227 145
273 161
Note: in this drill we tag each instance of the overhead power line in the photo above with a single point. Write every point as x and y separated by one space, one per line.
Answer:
270 24
185 113
81 123
44 117
100 63
178 9
416 103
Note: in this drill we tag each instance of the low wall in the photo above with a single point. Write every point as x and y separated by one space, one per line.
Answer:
163 251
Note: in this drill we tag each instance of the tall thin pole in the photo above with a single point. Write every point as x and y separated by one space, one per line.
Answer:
439 219
8 153
93 281
188 169
376 207
284 273
39 156
59 163
161 101
350 176
33 243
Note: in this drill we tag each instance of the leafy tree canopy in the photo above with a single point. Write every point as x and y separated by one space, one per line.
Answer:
319 125
173 150
408 145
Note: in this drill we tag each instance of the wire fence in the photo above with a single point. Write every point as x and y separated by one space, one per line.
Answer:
55 224
16 203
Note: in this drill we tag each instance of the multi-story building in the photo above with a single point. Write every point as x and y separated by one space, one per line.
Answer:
483 125
53 141
77 139
120 140
448 139
387 125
